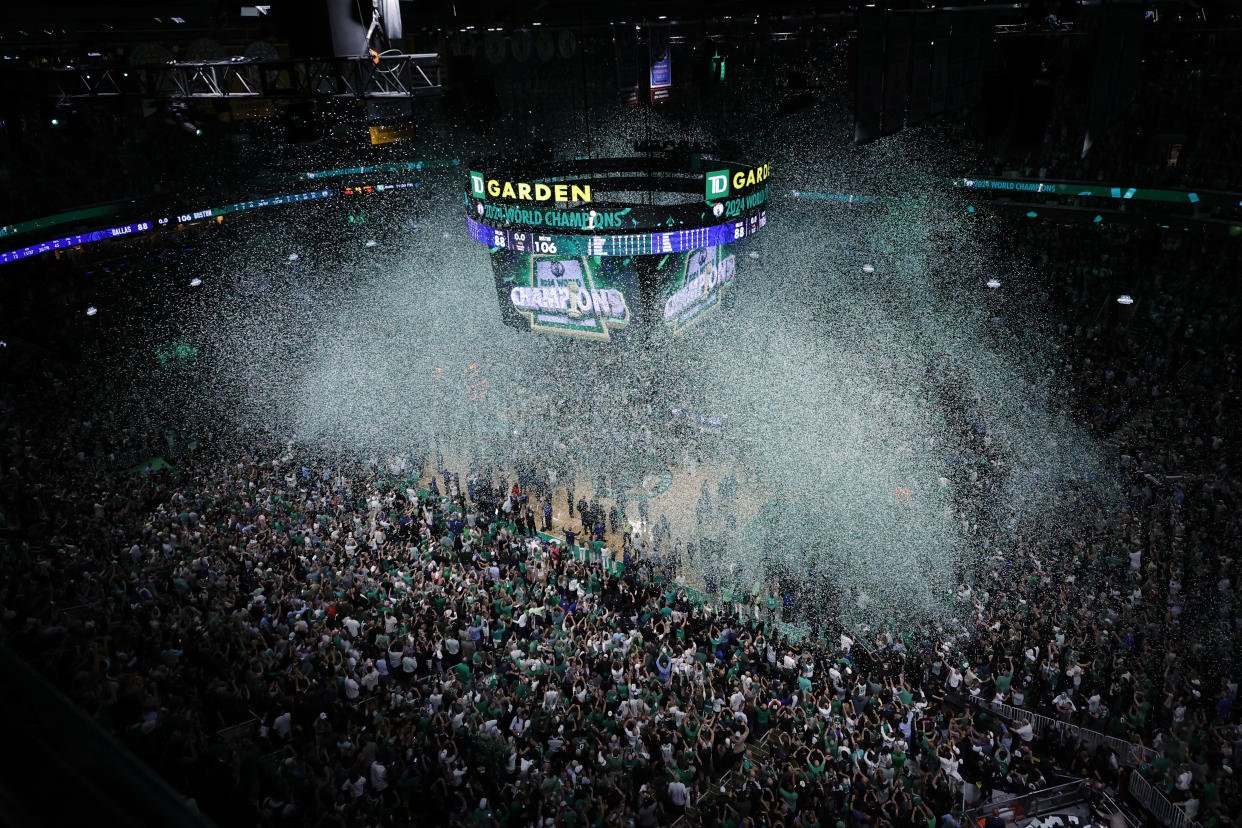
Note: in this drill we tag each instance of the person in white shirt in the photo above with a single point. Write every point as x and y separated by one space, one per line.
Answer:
677 794
955 678
1065 706
283 724
371 680
379 776
356 788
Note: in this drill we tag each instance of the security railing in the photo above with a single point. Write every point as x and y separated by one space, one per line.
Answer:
1156 804
1129 754
1033 803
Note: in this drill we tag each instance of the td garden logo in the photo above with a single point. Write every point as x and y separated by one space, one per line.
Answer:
717 185
721 182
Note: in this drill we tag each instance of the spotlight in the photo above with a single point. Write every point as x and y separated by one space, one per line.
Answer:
994 283
195 282
92 310
1125 299
55 122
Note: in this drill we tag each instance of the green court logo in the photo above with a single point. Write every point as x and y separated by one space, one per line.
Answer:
717 185
476 185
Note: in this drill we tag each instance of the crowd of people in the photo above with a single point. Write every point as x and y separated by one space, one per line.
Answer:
291 640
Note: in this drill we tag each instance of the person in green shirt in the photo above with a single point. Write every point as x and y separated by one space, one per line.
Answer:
463 672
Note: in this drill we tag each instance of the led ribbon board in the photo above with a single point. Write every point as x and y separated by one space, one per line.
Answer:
144 226
617 197
632 244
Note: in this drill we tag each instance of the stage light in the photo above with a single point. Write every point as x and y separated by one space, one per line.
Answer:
55 122
195 282
92 310
1125 299
993 283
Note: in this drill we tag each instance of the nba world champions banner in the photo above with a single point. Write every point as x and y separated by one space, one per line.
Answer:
661 61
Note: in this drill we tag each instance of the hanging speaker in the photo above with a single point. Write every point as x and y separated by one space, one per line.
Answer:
465 45
566 44
545 46
494 48
522 45
349 29
264 51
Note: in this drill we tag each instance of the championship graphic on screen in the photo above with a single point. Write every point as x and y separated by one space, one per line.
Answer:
698 288
581 297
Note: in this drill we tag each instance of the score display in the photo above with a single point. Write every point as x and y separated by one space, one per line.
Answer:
627 244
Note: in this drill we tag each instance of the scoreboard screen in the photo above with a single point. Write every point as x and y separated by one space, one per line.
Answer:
579 297
693 285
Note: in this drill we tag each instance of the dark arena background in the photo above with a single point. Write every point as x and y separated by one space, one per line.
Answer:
634 414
